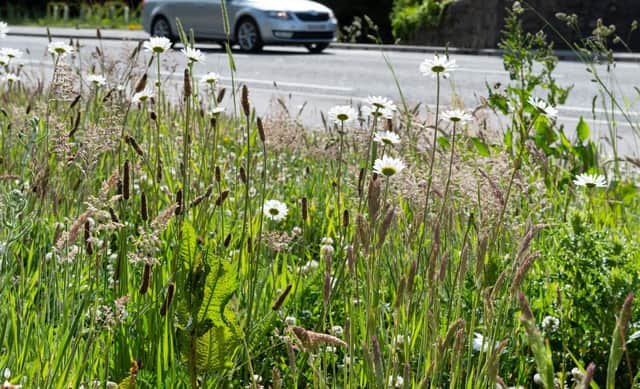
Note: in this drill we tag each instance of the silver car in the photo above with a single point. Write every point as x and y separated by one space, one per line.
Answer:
253 23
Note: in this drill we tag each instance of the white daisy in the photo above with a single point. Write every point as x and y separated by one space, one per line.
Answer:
457 116
396 382
97 80
342 114
275 210
11 53
544 108
4 30
590 180
210 78
216 111
142 96
157 45
380 103
386 138
11 77
438 66
388 166
60 49
377 112
193 55
4 60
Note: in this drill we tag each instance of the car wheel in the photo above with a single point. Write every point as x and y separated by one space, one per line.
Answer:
248 36
161 28
316 48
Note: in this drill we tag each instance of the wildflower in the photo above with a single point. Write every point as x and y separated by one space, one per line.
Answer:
7 373
60 49
388 166
11 77
193 55
4 60
210 78
457 116
342 114
381 103
544 108
216 111
396 382
142 96
309 267
550 324
480 344
337 330
400 339
590 180
438 66
537 378
577 374
11 53
290 320
157 45
4 30
386 138
97 80
377 112
326 250
275 210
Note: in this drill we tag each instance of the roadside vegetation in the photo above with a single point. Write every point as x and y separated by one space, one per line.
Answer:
150 238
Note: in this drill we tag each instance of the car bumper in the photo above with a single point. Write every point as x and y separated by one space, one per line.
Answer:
296 31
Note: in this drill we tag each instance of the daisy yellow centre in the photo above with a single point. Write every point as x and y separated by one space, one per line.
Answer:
437 69
273 211
60 50
388 171
158 49
343 117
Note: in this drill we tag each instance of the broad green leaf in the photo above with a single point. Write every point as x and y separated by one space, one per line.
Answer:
482 148
583 130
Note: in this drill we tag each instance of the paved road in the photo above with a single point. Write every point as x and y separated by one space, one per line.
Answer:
349 76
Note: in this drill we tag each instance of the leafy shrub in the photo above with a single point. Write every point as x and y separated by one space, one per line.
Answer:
409 16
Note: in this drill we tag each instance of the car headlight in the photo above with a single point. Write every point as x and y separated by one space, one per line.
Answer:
282 15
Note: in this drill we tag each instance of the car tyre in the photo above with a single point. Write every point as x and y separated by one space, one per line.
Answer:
161 28
316 48
248 36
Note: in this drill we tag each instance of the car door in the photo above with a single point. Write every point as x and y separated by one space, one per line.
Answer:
188 12
209 18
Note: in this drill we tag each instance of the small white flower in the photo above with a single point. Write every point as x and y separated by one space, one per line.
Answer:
381 103
400 339
7 373
157 45
142 96
327 250
290 320
550 324
326 240
309 267
210 78
11 53
330 349
377 112
386 138
537 378
438 66
590 180
216 111
457 116
4 60
11 77
396 382
337 331
577 374
60 49
342 114
388 166
97 80
544 108
479 343
275 210
193 55
4 30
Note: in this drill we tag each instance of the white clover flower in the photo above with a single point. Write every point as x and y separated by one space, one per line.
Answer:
309 267
216 111
388 166
457 116
342 114
438 66
550 324
544 108
157 45
381 103
327 250
4 30
395 382
97 80
60 49
577 374
290 320
275 210
590 180
210 78
193 55
11 53
337 331
479 343
7 373
386 138
377 112
142 96
326 240
400 339
4 60
11 77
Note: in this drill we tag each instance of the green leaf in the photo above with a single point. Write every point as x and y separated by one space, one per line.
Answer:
583 130
482 148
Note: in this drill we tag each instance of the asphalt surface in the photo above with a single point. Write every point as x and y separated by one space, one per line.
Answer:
341 76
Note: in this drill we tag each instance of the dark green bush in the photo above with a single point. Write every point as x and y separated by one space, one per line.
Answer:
410 15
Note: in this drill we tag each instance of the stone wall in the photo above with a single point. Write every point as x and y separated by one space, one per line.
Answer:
477 23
